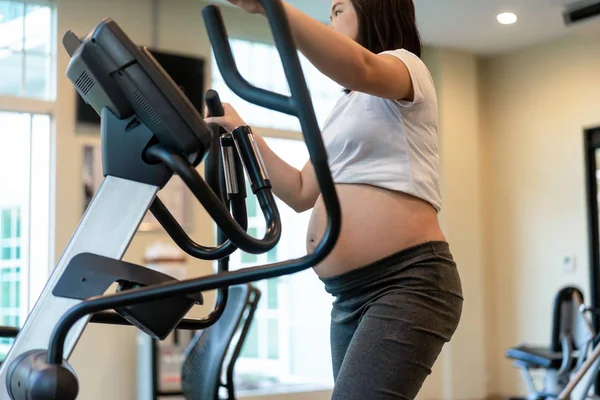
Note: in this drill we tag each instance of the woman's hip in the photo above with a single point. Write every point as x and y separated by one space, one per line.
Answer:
423 277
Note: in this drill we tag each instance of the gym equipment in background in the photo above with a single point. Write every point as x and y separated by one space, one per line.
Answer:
150 131
167 368
571 340
206 359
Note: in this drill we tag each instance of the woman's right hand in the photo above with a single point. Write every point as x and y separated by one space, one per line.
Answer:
230 121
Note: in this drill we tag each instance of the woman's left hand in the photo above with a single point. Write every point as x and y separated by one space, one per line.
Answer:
251 6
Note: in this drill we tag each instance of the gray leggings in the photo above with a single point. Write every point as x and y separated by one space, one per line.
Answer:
390 321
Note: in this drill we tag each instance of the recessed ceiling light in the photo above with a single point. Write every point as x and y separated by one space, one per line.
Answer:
507 18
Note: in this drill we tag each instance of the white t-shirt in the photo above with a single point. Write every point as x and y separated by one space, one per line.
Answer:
388 143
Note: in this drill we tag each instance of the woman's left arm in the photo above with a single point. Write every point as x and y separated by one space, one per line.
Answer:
348 63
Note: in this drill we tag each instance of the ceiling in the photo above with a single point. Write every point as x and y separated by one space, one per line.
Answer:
471 24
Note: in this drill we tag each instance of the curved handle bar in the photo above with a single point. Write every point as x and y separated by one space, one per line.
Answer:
224 57
217 210
181 238
213 168
216 180
215 177
300 103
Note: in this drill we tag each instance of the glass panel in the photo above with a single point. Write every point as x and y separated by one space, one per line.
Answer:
273 326
246 257
17 294
38 29
272 293
24 166
6 225
18 223
251 202
272 255
11 66
11 24
250 349
37 75
14 160
5 295
6 253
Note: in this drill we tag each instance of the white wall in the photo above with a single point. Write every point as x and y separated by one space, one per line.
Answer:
537 101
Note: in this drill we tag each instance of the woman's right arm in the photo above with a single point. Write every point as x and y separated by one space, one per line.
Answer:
298 189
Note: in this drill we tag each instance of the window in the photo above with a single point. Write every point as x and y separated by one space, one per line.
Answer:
24 214
28 70
27 49
260 64
288 342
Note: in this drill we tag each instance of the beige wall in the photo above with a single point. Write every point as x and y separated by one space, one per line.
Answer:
538 101
460 372
462 218
511 145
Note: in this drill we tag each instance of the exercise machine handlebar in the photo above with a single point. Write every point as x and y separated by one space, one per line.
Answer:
298 104
216 179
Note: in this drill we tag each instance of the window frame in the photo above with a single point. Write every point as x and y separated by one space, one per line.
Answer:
36 278
52 55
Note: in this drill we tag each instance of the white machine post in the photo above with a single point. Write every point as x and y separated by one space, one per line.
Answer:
106 229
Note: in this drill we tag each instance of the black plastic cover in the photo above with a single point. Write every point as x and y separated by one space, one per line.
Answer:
30 377
88 275
109 70
123 144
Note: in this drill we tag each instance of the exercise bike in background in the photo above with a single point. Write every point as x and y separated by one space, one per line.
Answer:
569 365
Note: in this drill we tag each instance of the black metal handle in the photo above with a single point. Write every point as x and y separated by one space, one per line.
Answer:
299 104
217 210
8 331
224 57
213 167
215 109
213 103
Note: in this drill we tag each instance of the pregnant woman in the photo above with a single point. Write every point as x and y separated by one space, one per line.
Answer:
398 295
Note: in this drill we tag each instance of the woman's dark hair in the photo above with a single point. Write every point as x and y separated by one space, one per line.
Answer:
387 25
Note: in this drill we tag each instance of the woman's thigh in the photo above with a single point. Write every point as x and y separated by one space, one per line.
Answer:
398 339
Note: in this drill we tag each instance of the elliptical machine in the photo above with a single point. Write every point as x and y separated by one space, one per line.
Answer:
149 131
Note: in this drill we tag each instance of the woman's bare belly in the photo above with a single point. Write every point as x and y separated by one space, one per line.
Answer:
375 223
